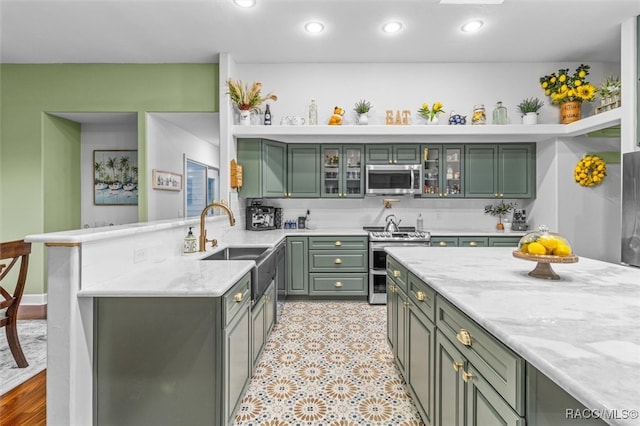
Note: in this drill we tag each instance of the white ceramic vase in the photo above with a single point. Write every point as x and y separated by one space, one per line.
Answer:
530 118
245 117
432 121
363 119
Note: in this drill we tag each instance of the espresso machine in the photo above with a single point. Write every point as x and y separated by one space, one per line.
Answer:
262 218
519 222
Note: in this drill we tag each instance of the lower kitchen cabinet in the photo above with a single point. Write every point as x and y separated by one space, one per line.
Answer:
475 241
297 266
321 284
504 241
172 360
263 317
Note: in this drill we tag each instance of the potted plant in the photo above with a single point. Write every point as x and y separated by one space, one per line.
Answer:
569 91
362 108
529 110
609 91
247 99
431 114
501 209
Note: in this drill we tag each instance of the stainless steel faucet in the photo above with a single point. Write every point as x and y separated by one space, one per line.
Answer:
203 232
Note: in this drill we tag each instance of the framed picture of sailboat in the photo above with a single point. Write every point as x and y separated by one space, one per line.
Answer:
115 177
166 180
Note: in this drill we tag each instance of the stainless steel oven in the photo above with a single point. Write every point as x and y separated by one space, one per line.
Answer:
378 241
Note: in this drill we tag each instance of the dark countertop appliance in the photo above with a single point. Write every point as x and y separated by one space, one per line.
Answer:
263 218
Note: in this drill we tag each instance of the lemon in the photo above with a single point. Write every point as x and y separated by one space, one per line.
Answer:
549 242
536 248
523 248
562 249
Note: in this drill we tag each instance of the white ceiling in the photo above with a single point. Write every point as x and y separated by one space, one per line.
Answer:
197 31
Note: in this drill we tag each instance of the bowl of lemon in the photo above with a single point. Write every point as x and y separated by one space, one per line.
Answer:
545 248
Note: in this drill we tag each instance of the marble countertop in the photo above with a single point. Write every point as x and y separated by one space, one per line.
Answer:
580 331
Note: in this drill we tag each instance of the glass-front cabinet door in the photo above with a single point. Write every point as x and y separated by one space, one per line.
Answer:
342 171
442 174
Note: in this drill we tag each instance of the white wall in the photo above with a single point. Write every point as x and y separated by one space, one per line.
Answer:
104 137
167 145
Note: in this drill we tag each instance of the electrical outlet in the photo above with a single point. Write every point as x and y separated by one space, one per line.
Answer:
139 255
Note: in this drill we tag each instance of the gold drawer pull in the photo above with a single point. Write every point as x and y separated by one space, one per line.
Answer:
406 304
443 243
392 288
473 244
464 337
337 261
337 244
238 297
457 365
338 284
467 376
420 296
396 273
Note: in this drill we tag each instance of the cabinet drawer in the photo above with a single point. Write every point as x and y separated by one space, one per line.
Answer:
422 296
500 366
473 241
504 241
236 298
397 273
329 261
338 284
444 241
338 243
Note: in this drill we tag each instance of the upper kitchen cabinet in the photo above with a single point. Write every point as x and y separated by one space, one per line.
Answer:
393 154
265 168
443 170
303 176
500 171
342 171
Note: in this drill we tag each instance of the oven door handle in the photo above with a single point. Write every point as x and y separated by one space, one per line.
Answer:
381 245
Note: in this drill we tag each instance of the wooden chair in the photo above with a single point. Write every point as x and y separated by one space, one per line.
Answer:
14 250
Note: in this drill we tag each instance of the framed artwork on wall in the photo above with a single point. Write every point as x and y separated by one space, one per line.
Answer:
115 177
166 180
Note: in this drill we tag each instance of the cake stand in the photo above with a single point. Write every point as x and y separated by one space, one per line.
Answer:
543 269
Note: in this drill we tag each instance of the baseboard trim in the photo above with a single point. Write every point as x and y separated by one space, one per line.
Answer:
32 312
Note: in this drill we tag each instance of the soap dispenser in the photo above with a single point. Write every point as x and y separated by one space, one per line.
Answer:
190 242
419 223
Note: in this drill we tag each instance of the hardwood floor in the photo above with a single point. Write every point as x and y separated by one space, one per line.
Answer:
26 405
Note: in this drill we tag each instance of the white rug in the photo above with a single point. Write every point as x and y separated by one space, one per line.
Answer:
33 339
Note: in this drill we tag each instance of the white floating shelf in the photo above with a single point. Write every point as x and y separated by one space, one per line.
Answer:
429 134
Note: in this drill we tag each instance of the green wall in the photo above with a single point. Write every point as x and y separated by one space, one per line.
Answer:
40 153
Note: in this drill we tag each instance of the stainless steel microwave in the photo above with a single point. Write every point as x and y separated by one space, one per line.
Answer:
391 179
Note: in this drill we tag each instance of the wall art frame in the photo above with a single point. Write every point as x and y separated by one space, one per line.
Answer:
115 177
170 181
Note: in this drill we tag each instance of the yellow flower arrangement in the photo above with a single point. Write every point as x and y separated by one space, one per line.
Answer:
430 113
562 87
590 171
245 98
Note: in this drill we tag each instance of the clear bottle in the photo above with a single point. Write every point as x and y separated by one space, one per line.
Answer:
500 115
313 113
419 223
267 116
479 115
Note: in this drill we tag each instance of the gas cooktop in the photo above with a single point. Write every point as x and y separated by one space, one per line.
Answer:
405 233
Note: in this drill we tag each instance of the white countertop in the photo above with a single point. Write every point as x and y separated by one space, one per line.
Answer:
580 331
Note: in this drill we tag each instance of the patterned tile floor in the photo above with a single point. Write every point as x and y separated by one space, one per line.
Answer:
328 363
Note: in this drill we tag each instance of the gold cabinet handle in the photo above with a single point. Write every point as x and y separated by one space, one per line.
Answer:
501 195
396 273
406 304
338 284
337 244
395 161
467 376
473 244
238 297
337 261
392 288
464 337
443 243
495 194
457 365
420 296
390 161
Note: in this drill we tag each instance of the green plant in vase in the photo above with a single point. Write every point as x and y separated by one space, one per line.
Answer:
529 110
362 108
501 209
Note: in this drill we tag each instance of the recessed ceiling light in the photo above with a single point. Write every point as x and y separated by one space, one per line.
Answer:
472 26
392 27
245 3
314 27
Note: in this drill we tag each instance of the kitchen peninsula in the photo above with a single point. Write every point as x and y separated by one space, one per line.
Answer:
579 332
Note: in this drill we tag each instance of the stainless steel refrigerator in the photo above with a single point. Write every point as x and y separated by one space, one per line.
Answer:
631 208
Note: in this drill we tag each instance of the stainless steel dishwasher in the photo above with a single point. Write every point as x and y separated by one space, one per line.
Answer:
281 276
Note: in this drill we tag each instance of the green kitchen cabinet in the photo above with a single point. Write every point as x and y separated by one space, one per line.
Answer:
263 316
444 241
303 171
338 266
342 171
264 172
504 241
473 241
392 154
500 171
443 171
297 266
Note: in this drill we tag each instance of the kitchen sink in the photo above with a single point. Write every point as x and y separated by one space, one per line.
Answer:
262 274
239 253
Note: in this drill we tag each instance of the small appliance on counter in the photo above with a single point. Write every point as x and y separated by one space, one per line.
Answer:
263 218
519 222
